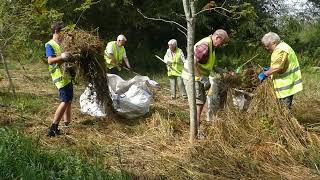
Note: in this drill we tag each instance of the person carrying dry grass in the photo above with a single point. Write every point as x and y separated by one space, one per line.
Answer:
62 80
284 69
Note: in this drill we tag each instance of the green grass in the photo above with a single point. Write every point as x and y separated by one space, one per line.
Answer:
28 103
22 158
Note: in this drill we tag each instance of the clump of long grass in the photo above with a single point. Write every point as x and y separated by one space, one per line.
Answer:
267 140
22 158
87 58
264 142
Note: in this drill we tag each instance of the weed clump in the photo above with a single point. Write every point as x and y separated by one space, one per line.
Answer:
88 61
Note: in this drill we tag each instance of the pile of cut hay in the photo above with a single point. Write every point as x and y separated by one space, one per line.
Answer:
265 143
265 140
87 60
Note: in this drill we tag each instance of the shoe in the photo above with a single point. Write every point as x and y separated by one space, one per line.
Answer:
66 125
52 133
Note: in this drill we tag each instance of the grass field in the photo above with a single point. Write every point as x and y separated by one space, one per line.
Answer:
155 146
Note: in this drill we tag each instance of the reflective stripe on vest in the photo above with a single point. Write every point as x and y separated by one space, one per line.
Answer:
57 76
205 69
117 55
289 82
177 64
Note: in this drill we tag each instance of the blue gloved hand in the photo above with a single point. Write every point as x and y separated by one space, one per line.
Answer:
266 68
262 76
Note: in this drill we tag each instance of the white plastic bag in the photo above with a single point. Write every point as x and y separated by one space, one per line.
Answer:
89 105
131 99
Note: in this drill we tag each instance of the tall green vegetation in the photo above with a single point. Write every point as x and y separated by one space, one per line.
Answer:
25 27
22 159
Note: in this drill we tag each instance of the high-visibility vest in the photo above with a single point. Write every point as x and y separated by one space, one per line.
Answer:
117 55
206 68
176 66
289 82
58 77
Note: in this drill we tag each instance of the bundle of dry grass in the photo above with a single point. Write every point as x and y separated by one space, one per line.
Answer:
248 79
265 140
87 60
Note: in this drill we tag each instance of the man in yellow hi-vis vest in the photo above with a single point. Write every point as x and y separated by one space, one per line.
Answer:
115 54
284 68
62 80
204 56
175 59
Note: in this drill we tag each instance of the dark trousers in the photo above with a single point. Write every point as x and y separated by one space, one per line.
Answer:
287 101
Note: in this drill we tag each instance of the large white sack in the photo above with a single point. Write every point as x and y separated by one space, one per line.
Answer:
89 105
131 99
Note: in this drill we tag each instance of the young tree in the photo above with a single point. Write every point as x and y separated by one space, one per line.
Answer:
21 24
190 13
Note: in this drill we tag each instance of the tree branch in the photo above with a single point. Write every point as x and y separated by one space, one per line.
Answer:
163 20
185 34
216 10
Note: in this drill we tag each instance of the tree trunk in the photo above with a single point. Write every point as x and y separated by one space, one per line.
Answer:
8 74
189 9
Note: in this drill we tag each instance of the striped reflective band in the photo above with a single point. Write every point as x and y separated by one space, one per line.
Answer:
289 86
58 79
280 76
54 69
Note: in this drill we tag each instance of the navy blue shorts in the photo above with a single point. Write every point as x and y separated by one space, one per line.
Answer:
66 93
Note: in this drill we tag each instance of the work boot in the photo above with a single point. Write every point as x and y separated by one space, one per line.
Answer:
53 131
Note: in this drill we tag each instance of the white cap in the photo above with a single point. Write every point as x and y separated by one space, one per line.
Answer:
173 42
121 37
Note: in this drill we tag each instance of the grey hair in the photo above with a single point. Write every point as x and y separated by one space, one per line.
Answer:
121 37
270 37
173 42
222 33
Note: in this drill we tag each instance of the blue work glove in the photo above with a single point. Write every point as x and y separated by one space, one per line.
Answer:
266 68
262 76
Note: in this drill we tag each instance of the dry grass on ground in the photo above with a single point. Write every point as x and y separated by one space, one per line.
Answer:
267 142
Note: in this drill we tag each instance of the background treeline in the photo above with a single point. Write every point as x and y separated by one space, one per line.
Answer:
25 27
